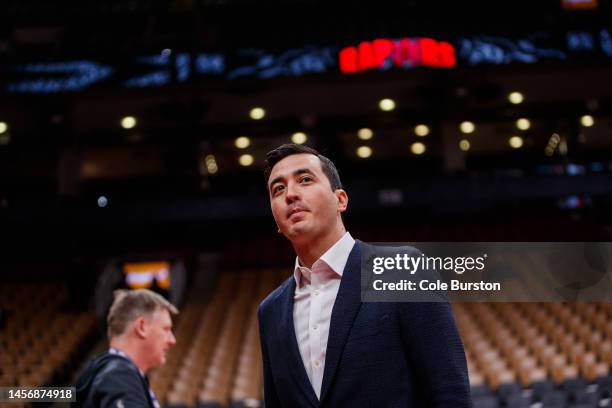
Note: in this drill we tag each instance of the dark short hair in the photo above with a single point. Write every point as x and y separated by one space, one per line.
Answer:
289 149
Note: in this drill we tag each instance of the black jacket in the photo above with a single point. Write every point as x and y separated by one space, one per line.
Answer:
113 381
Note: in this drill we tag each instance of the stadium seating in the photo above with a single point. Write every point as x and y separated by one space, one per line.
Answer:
519 354
552 354
40 341
217 360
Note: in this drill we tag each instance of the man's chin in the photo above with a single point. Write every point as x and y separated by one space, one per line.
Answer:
298 233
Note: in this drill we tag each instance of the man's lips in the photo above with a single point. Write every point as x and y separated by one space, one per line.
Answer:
297 210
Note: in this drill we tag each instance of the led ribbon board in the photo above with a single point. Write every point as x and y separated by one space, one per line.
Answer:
376 55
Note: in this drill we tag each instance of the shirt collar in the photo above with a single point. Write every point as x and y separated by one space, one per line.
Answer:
335 257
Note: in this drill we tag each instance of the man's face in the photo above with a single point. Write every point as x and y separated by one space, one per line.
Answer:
303 203
159 336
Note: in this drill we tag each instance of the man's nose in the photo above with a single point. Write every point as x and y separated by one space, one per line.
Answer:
292 193
172 339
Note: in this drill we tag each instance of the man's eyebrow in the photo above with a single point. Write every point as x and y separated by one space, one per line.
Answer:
302 171
276 180
295 173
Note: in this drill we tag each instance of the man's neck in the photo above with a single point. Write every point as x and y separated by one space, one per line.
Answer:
131 351
309 252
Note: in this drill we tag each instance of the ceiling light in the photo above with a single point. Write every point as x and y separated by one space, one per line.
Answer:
554 139
211 164
515 97
242 142
421 130
515 142
386 105
257 113
128 122
102 201
299 138
467 127
464 145
365 134
523 124
246 160
586 121
418 148
364 152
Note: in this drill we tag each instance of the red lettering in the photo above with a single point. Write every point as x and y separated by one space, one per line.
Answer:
402 53
348 60
382 50
407 53
414 53
429 52
366 56
446 55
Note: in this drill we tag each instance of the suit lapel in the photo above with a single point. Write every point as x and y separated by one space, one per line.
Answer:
344 311
286 335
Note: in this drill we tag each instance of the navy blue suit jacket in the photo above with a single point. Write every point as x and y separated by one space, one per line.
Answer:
378 354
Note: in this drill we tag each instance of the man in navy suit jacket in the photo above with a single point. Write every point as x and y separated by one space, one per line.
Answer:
323 347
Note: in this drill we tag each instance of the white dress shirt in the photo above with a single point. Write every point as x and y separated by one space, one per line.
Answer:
315 293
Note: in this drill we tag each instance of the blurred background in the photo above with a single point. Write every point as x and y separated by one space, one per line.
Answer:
132 138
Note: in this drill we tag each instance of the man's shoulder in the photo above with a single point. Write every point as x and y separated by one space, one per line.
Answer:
107 374
118 364
389 248
114 369
102 363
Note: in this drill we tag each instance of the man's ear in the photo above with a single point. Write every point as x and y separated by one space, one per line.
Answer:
342 200
140 326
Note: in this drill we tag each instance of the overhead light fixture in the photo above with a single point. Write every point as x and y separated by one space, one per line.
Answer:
211 164
464 145
299 138
421 130
364 152
365 134
246 160
102 201
587 121
553 142
515 142
523 124
257 113
3 127
554 139
242 142
467 127
515 97
418 148
128 122
386 104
